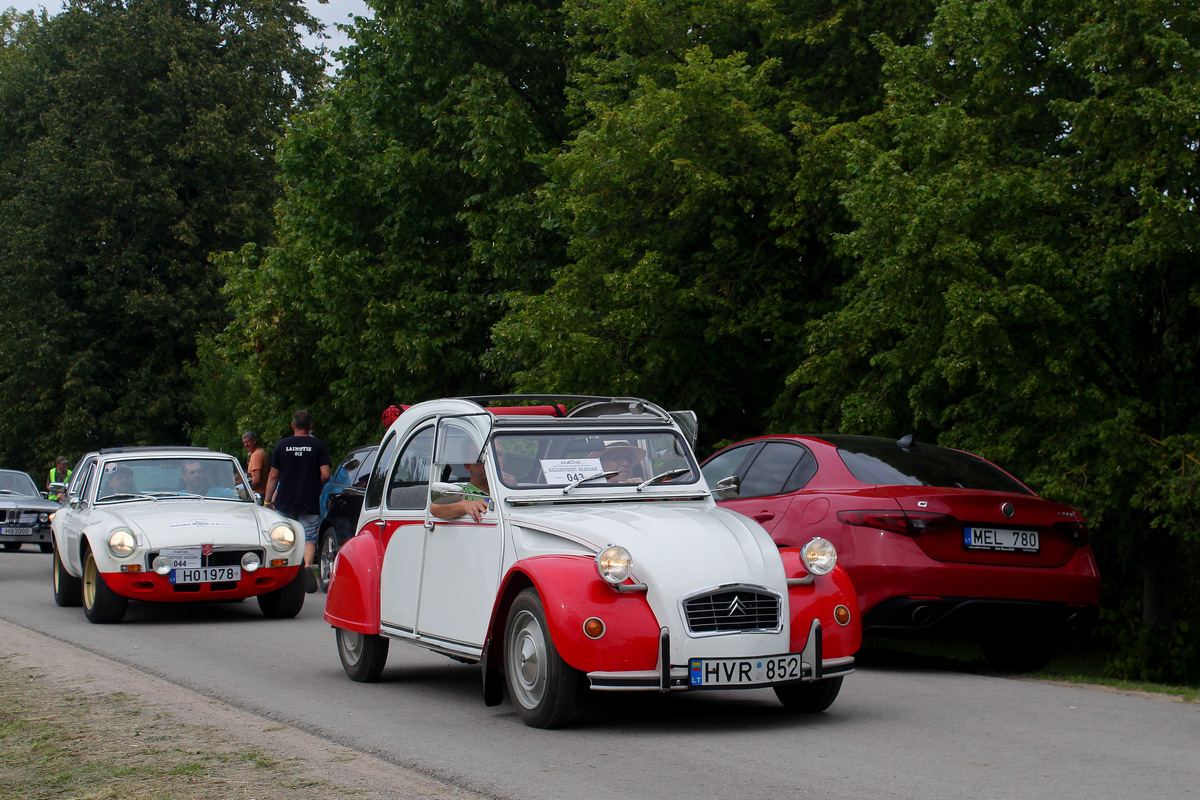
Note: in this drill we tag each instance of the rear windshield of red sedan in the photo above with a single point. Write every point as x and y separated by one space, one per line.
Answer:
882 462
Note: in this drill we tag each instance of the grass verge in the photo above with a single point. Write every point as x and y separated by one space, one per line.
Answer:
109 746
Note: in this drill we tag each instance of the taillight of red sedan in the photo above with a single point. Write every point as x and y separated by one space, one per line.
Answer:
1077 532
907 523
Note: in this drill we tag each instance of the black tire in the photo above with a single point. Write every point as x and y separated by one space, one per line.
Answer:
363 655
68 590
285 602
327 551
101 604
46 547
1010 653
809 698
12 547
542 686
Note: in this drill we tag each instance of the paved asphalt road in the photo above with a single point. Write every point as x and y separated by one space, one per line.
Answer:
893 733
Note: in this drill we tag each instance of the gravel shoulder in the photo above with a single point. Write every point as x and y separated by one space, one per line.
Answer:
74 724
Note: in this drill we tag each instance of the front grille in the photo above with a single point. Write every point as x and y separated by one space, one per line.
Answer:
734 609
13 516
221 556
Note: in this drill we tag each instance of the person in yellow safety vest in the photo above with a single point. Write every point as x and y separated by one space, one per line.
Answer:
61 473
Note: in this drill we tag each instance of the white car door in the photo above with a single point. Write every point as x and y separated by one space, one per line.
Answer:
462 559
78 514
403 517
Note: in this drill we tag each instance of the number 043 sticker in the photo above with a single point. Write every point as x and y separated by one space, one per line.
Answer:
567 470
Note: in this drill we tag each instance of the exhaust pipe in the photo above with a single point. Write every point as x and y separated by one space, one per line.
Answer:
921 615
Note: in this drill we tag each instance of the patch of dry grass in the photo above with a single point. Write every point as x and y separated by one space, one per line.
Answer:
110 746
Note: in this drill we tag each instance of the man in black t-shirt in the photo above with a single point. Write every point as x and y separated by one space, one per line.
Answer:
300 466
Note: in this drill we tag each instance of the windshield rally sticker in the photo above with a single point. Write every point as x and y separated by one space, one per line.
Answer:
568 470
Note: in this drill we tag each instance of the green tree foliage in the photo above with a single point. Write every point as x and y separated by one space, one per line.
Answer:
137 137
1026 235
409 213
692 263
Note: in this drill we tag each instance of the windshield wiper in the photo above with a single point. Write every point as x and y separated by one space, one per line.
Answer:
188 495
8 491
662 476
124 496
592 477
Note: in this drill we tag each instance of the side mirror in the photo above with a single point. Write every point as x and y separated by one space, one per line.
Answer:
727 488
58 488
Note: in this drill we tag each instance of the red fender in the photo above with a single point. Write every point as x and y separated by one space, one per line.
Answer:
818 600
572 592
353 600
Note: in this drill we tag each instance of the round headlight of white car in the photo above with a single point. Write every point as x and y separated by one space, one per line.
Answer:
161 565
251 561
614 563
121 543
283 537
819 556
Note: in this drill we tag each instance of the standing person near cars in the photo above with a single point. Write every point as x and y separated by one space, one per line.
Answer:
300 466
256 463
59 473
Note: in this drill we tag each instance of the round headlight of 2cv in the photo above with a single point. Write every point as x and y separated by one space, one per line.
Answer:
121 543
819 556
282 537
614 564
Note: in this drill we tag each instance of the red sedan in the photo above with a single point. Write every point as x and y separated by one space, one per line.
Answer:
937 541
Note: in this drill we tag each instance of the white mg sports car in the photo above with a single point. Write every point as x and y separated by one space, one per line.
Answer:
574 545
170 524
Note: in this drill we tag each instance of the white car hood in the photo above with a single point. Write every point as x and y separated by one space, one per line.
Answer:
167 523
677 549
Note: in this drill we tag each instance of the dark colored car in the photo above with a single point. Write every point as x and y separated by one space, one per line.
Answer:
938 542
24 512
341 500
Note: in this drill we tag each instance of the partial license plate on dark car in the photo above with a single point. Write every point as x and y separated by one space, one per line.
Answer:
1005 540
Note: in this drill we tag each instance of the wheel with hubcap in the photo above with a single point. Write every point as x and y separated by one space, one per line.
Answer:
809 698
101 604
68 590
542 686
326 553
363 654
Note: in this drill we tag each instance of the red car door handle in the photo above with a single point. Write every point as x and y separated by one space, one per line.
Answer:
764 516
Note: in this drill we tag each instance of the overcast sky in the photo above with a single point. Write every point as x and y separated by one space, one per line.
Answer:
329 13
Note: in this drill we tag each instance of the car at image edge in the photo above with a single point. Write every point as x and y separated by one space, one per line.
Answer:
600 562
938 542
24 512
